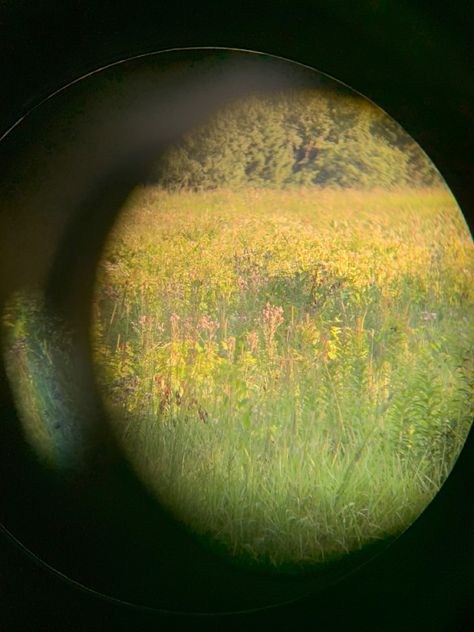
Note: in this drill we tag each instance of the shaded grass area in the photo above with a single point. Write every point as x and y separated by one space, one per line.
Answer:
39 358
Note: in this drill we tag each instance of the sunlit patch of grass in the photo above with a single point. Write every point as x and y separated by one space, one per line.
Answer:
290 371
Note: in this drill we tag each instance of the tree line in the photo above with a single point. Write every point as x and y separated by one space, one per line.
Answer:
300 139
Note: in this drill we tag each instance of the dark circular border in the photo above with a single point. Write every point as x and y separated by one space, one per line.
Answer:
456 110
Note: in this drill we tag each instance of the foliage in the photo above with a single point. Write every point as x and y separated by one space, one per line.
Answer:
303 138
45 380
290 371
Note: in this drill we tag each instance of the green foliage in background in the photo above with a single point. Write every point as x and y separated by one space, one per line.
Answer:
305 138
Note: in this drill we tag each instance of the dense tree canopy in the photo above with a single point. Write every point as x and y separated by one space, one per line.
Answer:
303 138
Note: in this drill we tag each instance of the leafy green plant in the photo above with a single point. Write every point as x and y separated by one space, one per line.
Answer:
291 371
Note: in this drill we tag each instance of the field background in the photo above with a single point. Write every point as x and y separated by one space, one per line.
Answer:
291 371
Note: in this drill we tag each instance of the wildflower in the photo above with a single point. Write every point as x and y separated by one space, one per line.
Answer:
271 319
255 277
144 320
174 320
243 285
231 345
159 380
252 338
159 327
188 326
164 391
272 315
211 326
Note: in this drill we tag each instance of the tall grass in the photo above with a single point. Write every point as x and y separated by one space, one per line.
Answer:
290 371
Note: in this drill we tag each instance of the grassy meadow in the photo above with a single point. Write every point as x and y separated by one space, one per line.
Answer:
291 371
